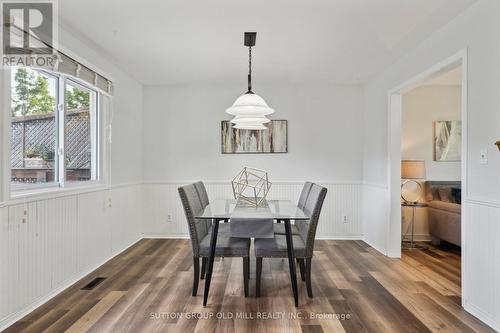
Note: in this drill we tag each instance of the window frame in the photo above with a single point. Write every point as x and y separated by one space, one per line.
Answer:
60 183
95 135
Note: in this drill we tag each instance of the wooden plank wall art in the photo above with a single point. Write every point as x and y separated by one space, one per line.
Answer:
272 140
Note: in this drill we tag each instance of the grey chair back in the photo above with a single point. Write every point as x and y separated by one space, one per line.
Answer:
202 193
304 194
194 200
312 207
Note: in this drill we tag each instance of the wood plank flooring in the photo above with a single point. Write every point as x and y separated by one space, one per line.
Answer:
356 289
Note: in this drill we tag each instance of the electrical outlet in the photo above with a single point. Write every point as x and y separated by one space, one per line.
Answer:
345 218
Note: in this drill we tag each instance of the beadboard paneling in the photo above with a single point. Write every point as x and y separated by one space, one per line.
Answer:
481 292
125 214
47 244
56 227
375 216
161 200
94 229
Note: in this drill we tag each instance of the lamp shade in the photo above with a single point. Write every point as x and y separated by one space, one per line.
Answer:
412 169
250 126
248 105
250 119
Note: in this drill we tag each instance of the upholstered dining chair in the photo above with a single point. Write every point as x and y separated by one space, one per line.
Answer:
303 242
279 228
194 200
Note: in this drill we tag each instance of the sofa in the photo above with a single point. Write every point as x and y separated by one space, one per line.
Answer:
445 207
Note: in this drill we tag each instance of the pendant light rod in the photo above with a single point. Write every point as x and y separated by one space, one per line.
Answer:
249 41
249 70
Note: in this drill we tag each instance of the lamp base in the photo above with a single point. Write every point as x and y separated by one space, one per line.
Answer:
408 195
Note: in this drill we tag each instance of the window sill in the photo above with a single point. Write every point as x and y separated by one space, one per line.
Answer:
22 196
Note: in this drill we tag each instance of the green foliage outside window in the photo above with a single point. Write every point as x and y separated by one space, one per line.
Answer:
31 94
77 99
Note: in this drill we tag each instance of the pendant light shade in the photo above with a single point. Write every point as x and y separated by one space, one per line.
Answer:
249 105
250 110
249 120
251 126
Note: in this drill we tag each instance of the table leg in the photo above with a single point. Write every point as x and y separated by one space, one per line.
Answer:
412 226
291 261
211 256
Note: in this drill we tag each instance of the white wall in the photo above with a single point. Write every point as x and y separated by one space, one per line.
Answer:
423 106
64 236
182 143
476 29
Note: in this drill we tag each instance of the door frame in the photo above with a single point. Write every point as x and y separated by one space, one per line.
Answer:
394 148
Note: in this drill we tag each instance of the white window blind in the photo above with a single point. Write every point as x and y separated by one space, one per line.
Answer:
67 65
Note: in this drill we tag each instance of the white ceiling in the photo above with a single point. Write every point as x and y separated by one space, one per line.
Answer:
298 41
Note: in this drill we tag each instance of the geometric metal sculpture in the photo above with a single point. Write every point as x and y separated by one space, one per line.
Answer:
251 186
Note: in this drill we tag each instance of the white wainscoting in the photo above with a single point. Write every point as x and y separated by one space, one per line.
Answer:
375 216
47 244
481 261
164 216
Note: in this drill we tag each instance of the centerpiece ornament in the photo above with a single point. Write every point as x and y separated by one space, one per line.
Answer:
250 186
250 110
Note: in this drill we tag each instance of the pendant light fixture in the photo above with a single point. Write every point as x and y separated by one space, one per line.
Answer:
250 110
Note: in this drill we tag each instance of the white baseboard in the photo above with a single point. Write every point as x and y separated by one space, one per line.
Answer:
12 318
183 236
340 237
485 318
383 251
165 236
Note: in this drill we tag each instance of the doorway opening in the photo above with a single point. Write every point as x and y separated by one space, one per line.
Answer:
427 151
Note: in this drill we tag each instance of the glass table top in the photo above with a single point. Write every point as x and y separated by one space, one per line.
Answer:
275 209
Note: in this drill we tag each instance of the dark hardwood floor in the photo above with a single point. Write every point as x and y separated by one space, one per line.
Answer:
356 289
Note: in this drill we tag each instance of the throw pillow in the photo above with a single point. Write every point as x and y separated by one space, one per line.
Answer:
445 194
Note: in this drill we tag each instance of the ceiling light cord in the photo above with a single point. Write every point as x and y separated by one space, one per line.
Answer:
249 70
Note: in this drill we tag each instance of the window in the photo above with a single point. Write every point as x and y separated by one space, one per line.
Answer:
33 127
80 134
54 130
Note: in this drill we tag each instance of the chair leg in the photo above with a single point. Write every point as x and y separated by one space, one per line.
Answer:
196 277
300 262
258 272
308 277
246 273
203 267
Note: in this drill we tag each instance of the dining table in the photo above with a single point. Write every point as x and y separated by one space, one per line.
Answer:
254 223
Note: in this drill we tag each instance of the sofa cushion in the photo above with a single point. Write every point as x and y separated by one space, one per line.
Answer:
447 206
445 194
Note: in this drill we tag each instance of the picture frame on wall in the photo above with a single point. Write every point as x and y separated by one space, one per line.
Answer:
448 141
273 140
